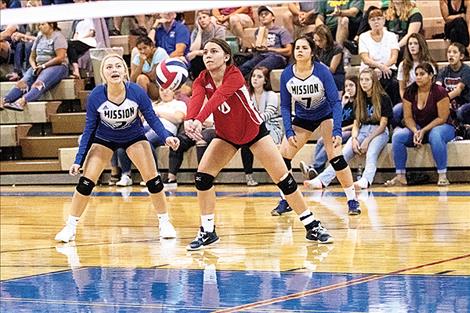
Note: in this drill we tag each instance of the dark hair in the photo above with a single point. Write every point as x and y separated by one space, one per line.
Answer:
354 79
145 40
54 25
324 31
311 43
411 90
459 46
375 13
225 47
267 79
425 66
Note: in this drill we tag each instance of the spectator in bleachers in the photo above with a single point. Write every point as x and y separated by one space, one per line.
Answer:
6 31
275 46
171 113
140 30
13 4
176 156
267 103
426 116
403 18
456 15
378 49
416 52
171 35
330 53
302 15
455 78
204 30
144 63
83 39
351 84
343 20
49 65
372 112
48 2
235 19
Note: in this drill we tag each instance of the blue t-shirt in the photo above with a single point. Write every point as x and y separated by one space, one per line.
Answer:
159 55
178 33
117 123
314 97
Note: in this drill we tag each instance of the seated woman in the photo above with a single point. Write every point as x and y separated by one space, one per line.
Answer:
403 18
416 52
351 84
83 39
330 53
267 103
426 114
205 29
144 63
378 49
49 65
456 15
370 134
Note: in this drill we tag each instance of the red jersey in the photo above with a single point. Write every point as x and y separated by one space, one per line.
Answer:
235 116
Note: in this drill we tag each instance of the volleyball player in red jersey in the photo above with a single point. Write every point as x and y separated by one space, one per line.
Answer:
238 124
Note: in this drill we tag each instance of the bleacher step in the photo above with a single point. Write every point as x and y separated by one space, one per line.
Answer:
11 134
30 166
46 146
34 112
68 123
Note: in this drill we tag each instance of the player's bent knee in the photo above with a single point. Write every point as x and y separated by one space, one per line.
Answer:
339 163
288 185
85 186
155 185
203 181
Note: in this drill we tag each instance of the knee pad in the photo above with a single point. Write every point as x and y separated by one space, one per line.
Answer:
203 181
288 163
155 185
85 186
339 163
288 185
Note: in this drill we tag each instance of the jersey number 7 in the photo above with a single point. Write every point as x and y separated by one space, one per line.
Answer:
307 101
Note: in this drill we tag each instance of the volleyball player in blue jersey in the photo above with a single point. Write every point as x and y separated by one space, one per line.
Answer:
112 122
310 86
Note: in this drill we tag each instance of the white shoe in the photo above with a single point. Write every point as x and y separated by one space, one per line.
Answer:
66 234
124 181
314 183
143 184
166 230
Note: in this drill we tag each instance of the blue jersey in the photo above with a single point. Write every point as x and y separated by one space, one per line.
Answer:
118 123
314 97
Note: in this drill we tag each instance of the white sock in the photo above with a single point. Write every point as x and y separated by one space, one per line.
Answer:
72 221
350 192
207 222
307 217
163 218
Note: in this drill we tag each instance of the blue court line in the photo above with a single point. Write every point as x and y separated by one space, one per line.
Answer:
263 194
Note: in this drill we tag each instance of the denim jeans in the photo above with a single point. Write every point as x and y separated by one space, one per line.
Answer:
376 146
50 77
463 114
320 157
270 60
21 56
438 137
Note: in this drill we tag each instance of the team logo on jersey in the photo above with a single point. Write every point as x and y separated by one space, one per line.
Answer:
224 108
309 93
118 117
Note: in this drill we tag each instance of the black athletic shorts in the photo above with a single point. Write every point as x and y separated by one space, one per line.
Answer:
309 124
116 145
263 132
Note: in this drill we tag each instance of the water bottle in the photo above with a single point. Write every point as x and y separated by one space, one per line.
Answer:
359 172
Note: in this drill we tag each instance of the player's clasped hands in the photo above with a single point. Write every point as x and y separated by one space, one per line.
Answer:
337 141
292 141
173 142
193 129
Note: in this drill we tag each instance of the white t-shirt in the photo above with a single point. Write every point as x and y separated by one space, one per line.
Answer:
378 51
82 29
170 107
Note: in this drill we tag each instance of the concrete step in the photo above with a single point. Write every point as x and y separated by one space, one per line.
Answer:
46 146
10 134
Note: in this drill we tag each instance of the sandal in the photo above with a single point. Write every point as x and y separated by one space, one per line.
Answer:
15 106
395 182
443 182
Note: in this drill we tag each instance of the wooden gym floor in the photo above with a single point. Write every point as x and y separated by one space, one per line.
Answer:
408 252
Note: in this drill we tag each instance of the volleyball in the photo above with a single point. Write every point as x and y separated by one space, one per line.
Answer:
171 73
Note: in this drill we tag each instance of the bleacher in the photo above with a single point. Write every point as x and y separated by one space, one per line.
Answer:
43 140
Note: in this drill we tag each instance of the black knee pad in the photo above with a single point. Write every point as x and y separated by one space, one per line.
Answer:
288 185
288 163
203 181
339 163
85 186
155 185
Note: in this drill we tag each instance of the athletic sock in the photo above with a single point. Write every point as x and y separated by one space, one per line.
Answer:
350 193
207 222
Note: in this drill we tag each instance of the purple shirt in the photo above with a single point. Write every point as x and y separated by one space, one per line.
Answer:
426 115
